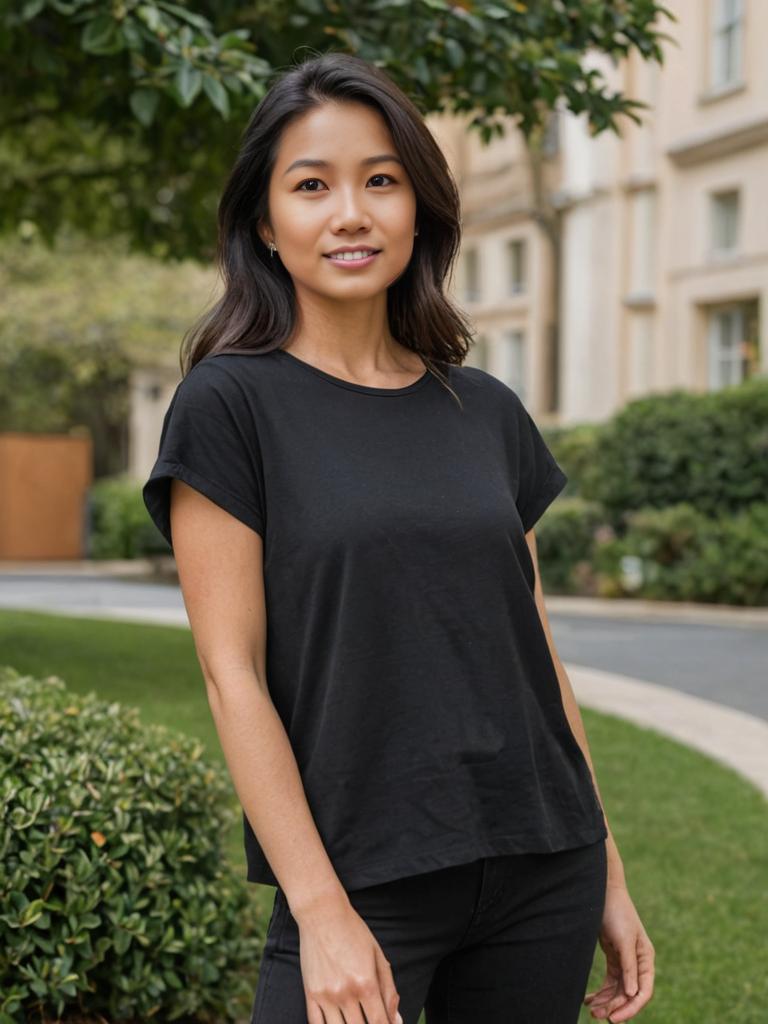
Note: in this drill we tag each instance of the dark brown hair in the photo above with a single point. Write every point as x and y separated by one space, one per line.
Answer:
257 310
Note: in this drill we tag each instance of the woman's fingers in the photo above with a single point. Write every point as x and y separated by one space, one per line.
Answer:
621 1009
602 995
389 993
629 973
345 974
608 988
645 969
314 1013
617 1001
370 1000
601 1002
363 1000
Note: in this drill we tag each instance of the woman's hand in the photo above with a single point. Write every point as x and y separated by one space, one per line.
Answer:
343 968
629 956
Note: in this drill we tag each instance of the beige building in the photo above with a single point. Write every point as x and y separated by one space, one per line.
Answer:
658 267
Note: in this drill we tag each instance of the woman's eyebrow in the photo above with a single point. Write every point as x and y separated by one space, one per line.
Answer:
309 162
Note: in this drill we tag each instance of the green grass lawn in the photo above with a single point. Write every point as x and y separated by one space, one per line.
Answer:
693 835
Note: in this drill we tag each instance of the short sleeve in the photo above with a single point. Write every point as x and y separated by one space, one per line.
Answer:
540 477
208 440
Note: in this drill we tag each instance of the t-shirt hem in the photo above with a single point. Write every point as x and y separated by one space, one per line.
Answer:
376 872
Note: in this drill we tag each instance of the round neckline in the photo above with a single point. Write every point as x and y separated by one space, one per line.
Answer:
353 385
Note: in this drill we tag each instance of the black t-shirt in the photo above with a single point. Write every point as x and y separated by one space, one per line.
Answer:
405 652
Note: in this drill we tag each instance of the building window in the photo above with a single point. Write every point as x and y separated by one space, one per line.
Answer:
640 356
643 242
727 34
516 265
471 276
511 361
733 344
725 221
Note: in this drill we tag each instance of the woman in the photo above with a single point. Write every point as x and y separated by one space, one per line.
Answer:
351 510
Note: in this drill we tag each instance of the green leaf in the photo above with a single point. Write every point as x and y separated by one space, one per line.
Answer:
217 94
132 35
144 105
188 81
454 52
181 12
32 9
102 36
150 16
233 83
234 39
31 912
122 941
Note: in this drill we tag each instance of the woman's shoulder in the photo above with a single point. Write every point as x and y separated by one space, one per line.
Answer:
491 386
226 374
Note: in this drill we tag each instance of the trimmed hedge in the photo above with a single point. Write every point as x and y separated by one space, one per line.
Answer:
709 450
565 540
674 554
115 894
684 555
666 500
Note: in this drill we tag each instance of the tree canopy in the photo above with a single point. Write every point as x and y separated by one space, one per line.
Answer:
123 117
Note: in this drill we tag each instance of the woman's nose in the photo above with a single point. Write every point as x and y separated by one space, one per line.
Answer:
351 210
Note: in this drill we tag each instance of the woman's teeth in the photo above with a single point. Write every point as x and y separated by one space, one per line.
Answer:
358 255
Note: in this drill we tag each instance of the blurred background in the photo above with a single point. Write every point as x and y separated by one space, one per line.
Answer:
611 159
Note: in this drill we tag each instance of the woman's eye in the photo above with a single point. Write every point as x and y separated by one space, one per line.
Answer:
307 181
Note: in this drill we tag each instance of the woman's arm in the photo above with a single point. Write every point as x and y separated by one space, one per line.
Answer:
630 954
219 561
220 566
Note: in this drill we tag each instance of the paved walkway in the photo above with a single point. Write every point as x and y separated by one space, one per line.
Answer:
722 658
695 673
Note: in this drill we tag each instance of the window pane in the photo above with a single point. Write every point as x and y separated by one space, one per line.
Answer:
725 210
516 265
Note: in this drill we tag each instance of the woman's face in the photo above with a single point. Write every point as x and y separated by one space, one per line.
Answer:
349 189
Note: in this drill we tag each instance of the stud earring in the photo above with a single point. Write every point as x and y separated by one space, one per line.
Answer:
416 231
272 249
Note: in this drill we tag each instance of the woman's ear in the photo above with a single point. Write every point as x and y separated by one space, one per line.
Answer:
262 233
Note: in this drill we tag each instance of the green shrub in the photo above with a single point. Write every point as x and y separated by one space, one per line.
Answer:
120 525
709 450
576 448
680 554
565 538
115 894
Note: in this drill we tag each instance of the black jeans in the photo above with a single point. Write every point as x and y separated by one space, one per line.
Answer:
502 940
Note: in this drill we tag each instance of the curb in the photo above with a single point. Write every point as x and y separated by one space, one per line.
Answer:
734 738
680 611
